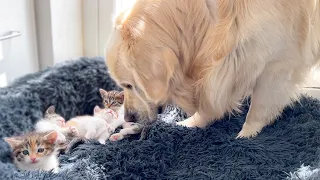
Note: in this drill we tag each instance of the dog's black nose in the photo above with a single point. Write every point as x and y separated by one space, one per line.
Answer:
160 109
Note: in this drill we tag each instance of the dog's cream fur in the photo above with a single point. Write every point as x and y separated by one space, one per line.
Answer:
208 55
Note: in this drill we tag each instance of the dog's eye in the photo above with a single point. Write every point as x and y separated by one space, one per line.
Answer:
127 86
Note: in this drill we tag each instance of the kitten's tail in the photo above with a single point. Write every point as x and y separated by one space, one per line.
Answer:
66 148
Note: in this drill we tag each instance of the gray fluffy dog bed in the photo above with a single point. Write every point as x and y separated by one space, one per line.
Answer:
168 152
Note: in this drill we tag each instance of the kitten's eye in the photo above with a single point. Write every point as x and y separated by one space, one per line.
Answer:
127 86
40 150
25 152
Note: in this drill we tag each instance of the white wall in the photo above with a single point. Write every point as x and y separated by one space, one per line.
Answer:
66 21
71 28
18 55
44 31
59 30
97 23
106 12
90 27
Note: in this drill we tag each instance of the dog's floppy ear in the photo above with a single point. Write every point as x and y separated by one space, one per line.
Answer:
125 28
157 73
121 17
166 66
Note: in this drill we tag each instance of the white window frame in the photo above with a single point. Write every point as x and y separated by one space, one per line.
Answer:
97 23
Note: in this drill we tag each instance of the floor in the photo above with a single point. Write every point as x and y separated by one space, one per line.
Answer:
312 86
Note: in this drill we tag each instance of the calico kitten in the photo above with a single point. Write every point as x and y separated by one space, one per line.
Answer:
35 151
113 104
93 127
53 121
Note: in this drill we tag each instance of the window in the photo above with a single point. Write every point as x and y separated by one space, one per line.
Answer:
97 23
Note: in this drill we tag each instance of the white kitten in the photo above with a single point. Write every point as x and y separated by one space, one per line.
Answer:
93 127
53 121
116 119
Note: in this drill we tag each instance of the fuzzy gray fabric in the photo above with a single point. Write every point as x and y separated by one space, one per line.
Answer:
169 151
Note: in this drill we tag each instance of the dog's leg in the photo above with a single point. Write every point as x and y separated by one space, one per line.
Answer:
196 120
273 91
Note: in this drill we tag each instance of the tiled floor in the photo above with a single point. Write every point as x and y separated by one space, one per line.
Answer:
312 86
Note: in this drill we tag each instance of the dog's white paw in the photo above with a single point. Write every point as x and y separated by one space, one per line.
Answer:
249 131
246 134
183 123
193 122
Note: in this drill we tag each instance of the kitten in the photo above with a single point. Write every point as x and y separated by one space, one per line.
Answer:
113 104
112 99
35 151
93 127
53 121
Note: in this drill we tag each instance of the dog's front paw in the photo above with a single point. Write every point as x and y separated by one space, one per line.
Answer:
193 122
249 131
246 134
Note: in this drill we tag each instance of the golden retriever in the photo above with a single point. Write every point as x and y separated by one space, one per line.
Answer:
206 56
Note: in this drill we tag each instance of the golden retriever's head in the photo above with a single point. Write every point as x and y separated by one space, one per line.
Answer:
141 64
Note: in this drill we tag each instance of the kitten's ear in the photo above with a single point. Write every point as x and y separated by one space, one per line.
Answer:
51 137
96 109
12 141
51 110
120 96
102 92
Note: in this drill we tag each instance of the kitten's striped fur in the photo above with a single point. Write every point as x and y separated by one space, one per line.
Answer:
112 99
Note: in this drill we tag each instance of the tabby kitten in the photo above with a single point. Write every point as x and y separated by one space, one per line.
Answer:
112 99
35 151
113 104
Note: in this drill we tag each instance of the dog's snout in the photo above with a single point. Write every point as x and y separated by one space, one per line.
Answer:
130 117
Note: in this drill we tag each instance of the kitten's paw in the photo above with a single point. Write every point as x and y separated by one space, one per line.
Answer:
74 131
61 138
101 141
110 129
116 137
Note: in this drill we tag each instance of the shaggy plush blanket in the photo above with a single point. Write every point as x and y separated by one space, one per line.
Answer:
288 149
